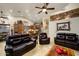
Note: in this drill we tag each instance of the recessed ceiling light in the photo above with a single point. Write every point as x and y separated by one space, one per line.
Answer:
9 17
21 15
27 11
11 10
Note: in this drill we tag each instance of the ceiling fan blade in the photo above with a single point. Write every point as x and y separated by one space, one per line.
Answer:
4 17
38 7
50 8
45 5
46 12
39 12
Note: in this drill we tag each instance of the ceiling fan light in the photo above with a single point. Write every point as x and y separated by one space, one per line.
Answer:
44 10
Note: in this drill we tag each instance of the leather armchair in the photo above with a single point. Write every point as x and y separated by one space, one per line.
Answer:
43 39
17 45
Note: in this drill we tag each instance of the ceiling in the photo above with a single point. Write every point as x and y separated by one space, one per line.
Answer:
28 10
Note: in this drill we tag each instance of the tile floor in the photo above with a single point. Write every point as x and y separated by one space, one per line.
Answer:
2 46
39 50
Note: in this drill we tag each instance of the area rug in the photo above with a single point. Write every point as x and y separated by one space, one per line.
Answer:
58 50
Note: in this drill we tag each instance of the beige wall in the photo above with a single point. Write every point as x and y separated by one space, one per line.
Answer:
74 25
74 22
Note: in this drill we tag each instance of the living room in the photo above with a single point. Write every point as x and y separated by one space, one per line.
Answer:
29 29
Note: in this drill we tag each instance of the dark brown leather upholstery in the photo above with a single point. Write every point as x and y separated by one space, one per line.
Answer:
69 40
43 39
17 45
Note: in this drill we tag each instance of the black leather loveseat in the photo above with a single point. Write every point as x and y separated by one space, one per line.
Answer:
43 38
17 45
69 40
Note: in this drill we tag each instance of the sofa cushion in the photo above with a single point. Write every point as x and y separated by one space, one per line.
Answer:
71 42
43 36
71 37
21 46
27 39
18 41
58 40
61 36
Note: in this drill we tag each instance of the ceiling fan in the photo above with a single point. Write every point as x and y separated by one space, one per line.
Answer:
4 17
44 8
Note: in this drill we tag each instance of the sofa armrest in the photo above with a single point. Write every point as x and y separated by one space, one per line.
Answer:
33 39
8 48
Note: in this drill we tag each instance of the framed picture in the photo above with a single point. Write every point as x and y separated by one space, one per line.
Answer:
65 26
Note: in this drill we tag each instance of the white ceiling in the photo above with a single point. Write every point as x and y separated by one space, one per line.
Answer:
29 11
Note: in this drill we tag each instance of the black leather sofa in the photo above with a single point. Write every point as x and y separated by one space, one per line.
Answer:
43 38
69 40
18 45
